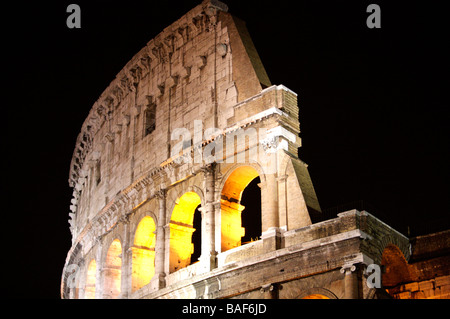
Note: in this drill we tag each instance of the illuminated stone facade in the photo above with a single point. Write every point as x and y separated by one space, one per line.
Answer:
137 193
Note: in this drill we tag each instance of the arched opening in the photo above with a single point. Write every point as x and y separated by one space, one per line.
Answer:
143 253
181 231
396 270
197 235
233 216
89 289
316 293
315 296
113 271
251 216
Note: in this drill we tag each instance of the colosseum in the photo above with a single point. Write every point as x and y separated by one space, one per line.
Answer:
160 167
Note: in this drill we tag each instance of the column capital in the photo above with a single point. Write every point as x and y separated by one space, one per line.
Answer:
266 288
217 204
282 178
125 219
98 240
348 269
208 168
160 193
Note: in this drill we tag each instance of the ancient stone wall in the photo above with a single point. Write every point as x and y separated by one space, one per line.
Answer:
165 155
197 90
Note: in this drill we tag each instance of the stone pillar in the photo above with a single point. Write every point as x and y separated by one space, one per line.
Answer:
125 276
99 269
350 282
269 186
217 206
271 234
282 202
109 142
160 246
270 203
81 280
166 249
209 252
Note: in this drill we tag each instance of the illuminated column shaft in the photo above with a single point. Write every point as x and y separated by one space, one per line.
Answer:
208 248
269 191
160 240
126 260
271 234
282 204
99 269
270 202
350 282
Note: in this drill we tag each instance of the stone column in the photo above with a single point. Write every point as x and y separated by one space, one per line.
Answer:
209 252
269 203
217 206
160 245
282 202
125 276
81 280
269 195
109 142
350 282
99 269
271 234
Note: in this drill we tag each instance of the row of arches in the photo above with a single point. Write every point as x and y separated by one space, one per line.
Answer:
240 192
184 240
143 263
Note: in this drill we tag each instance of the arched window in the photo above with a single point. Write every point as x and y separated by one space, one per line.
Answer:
181 230
316 293
232 231
89 290
251 215
143 253
197 235
315 296
396 269
113 271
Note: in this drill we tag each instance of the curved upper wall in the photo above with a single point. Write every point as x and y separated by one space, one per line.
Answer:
198 68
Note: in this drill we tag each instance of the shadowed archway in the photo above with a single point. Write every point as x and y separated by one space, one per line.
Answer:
235 229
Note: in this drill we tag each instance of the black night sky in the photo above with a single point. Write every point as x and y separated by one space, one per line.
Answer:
373 107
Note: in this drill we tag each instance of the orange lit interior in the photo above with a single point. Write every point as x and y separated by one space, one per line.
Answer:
396 267
112 271
89 291
316 296
181 229
231 209
143 253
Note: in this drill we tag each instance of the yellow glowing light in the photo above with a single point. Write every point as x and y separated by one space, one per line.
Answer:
184 209
113 270
143 253
232 230
89 291
316 296
181 229
231 221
